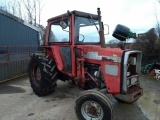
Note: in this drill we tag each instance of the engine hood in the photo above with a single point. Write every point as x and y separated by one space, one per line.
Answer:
94 52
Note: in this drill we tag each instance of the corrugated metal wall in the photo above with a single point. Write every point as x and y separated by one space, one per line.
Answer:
17 42
13 69
14 33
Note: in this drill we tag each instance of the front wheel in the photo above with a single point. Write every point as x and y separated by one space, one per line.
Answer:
93 105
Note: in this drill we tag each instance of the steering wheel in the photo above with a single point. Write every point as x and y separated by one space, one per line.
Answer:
83 37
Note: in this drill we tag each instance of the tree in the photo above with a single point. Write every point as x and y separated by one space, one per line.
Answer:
28 10
148 43
33 10
157 20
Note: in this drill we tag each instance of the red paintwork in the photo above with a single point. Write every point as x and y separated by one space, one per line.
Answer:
72 47
57 57
78 72
112 82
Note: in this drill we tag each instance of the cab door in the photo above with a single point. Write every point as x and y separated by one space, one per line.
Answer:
60 42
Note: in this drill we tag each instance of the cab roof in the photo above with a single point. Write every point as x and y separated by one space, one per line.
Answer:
77 13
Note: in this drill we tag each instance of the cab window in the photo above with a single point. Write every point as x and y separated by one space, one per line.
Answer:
57 33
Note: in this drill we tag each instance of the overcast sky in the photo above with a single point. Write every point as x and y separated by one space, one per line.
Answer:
138 15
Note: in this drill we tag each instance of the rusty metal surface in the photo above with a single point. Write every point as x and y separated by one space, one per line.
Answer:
130 97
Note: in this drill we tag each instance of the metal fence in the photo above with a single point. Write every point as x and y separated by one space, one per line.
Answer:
14 60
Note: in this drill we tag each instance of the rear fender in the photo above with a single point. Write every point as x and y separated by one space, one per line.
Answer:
55 54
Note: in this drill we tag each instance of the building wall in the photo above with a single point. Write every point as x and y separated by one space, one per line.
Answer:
17 42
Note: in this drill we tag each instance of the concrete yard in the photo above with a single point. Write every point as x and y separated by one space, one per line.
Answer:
18 102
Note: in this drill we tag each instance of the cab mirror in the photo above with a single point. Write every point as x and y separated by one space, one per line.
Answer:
63 25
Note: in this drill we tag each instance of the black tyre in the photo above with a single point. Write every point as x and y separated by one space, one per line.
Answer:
93 105
42 74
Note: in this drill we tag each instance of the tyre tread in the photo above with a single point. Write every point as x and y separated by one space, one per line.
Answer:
48 76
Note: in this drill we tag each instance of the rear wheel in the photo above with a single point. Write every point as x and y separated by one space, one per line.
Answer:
93 105
42 74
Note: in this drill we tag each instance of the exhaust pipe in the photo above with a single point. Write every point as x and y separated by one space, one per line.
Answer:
101 29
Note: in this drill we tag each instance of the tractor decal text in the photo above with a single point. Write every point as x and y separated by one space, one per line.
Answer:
95 56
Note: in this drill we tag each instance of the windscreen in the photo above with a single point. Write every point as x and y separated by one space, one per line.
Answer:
86 30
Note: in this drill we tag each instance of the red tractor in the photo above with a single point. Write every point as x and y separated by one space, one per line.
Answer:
75 50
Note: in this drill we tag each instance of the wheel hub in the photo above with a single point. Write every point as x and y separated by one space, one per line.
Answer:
92 110
36 75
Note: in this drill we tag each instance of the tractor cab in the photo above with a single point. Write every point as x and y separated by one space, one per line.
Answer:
68 33
74 28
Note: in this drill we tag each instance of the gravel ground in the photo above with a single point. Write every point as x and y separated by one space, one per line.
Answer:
18 102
